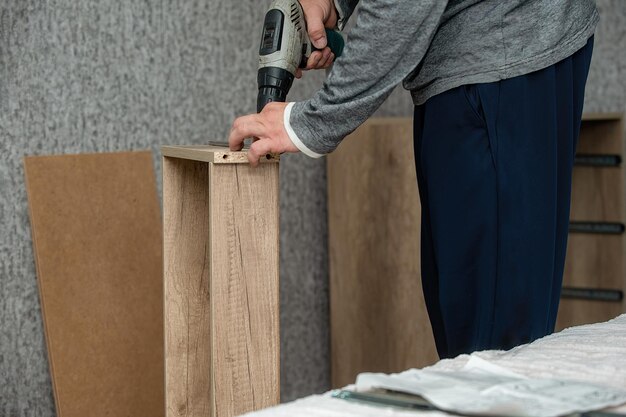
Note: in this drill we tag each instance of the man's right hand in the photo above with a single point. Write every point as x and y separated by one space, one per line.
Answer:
319 14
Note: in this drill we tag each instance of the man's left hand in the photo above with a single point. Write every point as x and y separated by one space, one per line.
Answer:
267 130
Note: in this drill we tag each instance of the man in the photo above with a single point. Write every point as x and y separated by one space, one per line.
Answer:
498 88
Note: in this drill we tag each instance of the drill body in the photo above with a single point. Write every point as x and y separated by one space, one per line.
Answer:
285 46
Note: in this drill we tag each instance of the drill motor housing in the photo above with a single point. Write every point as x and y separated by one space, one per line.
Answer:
285 46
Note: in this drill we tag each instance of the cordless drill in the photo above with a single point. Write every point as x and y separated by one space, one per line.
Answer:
285 46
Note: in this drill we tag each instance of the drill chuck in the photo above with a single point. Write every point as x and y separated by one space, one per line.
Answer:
274 84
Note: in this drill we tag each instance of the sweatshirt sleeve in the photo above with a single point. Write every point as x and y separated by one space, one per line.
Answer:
388 42
344 11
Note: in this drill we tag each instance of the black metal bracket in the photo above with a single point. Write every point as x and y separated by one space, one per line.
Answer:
596 294
596 160
605 228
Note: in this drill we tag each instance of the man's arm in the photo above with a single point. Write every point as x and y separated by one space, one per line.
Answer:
389 40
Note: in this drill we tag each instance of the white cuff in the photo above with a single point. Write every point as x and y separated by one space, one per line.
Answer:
294 138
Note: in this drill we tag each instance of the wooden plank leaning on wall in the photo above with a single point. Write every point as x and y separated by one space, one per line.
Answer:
596 260
96 230
379 321
220 281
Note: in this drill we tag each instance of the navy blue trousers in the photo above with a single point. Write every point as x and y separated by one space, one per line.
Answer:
494 166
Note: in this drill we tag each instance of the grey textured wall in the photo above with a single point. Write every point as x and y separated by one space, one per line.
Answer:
108 75
112 75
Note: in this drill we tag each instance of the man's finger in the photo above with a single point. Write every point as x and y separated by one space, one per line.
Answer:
330 61
259 149
245 127
314 17
313 60
324 59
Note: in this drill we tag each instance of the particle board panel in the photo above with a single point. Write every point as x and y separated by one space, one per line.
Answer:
96 228
221 283
186 302
596 260
573 312
214 154
244 270
595 195
597 192
378 316
601 134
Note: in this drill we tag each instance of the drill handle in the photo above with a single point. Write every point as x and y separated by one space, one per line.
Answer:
335 42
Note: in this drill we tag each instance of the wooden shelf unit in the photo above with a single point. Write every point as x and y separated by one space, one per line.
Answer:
596 260
220 226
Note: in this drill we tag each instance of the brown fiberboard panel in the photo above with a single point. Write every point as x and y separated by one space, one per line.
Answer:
96 228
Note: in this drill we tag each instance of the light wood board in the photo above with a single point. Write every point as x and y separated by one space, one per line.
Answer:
221 285
598 194
96 228
186 303
378 316
214 154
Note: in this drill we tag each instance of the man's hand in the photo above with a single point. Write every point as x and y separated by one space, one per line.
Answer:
268 130
319 14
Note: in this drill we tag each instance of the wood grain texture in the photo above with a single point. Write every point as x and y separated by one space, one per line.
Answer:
95 223
221 287
598 194
574 312
244 287
378 316
214 154
186 287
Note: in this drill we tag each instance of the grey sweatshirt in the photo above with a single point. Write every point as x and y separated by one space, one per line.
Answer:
433 46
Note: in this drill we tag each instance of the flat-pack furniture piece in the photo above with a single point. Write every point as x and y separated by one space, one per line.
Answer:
378 317
96 227
595 266
220 225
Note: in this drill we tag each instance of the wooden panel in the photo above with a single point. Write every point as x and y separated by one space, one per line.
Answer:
186 286
595 195
244 287
222 285
601 136
96 227
576 312
214 154
378 316
596 260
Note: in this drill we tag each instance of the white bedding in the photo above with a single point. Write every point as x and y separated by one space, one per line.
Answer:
593 353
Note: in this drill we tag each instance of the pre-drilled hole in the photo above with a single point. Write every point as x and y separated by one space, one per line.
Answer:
225 157
268 156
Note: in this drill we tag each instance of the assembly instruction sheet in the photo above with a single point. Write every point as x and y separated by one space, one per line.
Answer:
481 387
